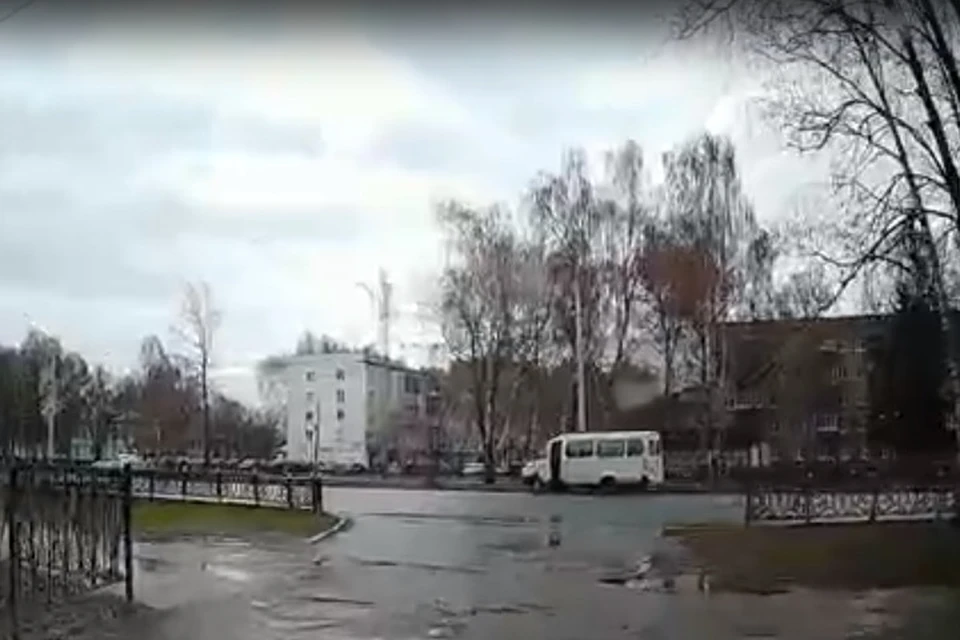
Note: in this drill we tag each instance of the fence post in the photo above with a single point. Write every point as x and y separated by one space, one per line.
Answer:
289 483
127 531
317 485
256 488
939 495
873 500
13 561
219 484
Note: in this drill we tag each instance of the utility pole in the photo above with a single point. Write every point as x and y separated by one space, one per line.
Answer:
380 300
315 454
386 290
578 349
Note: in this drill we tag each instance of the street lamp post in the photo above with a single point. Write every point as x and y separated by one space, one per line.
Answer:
578 348
313 436
316 435
51 403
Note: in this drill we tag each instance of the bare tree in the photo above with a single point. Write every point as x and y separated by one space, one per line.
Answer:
199 323
623 220
565 208
478 294
593 234
804 295
713 222
662 274
164 398
98 397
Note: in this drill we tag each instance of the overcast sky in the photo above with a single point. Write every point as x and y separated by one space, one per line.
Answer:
283 159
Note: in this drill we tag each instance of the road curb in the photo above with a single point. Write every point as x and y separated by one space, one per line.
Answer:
342 523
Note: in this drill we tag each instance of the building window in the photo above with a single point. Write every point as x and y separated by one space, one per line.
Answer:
828 421
311 397
341 395
309 416
411 384
340 374
310 376
839 372
340 414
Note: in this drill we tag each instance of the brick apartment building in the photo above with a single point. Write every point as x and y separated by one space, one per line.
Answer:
802 387
792 389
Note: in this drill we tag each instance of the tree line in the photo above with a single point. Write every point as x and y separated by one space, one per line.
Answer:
649 268
875 87
166 406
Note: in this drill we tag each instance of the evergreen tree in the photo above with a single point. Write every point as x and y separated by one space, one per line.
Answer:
908 404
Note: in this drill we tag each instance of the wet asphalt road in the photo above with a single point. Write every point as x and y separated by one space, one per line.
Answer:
463 565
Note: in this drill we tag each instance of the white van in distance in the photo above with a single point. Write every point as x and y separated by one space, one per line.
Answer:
604 459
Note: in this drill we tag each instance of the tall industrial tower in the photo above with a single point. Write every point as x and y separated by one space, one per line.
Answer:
386 289
381 300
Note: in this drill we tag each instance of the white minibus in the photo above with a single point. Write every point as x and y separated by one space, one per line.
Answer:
600 459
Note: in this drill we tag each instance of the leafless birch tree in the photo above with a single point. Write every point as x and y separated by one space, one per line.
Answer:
199 321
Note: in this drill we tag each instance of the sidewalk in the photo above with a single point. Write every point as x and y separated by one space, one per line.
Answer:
502 485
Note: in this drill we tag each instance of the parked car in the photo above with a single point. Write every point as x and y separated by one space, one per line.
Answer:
119 462
534 471
473 469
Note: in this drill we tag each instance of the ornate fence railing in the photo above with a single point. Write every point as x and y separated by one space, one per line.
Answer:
236 487
811 502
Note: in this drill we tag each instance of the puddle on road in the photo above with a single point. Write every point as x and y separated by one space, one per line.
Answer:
496 520
338 600
454 620
152 565
303 626
425 566
518 546
307 613
231 574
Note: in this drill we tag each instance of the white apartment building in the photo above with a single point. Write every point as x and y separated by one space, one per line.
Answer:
330 402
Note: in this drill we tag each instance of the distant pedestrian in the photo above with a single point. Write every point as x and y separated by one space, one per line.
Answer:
553 536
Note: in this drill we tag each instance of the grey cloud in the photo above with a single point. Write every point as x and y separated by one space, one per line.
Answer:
84 125
321 225
128 249
62 251
73 221
421 146
256 134
426 147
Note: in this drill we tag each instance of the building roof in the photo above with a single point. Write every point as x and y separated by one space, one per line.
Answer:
281 362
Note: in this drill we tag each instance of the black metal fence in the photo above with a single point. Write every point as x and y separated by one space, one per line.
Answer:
234 487
68 529
795 494
65 531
